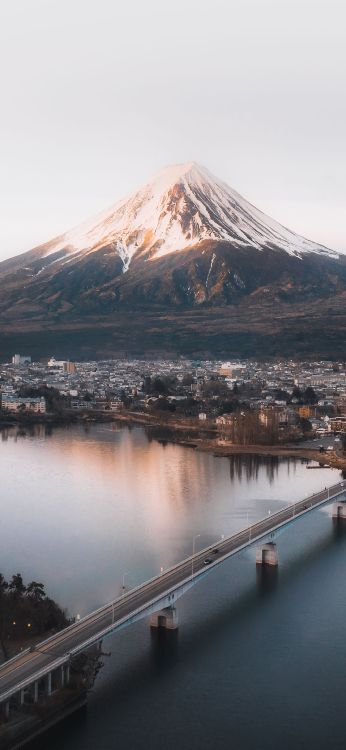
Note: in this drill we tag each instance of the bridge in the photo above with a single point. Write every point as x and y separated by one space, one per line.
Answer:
22 676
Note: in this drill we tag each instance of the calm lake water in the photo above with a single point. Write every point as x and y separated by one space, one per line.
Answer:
259 658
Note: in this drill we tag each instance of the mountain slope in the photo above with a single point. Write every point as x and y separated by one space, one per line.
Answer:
183 241
179 208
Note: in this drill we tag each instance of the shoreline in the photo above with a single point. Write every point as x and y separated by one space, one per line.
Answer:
201 437
180 433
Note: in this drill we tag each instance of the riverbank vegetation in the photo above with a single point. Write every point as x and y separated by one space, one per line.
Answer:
26 612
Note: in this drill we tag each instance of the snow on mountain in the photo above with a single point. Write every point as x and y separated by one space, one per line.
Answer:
180 207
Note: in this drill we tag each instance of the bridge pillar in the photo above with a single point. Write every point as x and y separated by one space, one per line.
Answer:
67 673
49 683
267 554
22 697
339 510
35 695
165 618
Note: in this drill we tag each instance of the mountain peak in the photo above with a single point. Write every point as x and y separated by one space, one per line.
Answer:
174 174
185 238
182 206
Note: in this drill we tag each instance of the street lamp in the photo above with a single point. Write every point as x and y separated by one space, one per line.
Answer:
195 536
123 586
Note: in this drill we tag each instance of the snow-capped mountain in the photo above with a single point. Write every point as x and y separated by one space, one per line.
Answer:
179 208
184 239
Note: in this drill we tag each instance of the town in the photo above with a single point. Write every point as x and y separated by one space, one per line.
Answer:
245 402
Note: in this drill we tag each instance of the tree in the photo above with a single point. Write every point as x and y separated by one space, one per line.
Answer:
296 393
35 591
216 388
54 399
16 585
164 405
188 379
20 606
305 424
147 387
124 398
310 395
227 407
281 395
159 386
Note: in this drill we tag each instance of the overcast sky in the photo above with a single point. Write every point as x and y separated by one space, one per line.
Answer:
97 95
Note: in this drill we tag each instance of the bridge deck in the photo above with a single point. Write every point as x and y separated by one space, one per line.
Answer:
29 666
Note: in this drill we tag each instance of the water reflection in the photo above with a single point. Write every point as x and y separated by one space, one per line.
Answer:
20 431
267 579
85 504
248 466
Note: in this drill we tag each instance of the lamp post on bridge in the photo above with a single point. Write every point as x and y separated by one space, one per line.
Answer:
123 585
123 591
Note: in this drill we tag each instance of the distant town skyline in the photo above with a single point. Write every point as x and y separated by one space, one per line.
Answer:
97 98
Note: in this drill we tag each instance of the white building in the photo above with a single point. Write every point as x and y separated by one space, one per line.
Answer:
17 404
58 364
20 359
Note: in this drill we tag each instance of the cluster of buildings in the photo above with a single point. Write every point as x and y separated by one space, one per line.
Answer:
12 403
280 393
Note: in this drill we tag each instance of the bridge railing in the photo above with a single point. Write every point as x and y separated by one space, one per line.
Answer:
44 645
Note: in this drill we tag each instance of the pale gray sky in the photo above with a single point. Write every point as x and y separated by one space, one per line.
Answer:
97 95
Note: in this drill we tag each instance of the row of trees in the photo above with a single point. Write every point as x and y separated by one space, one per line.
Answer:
26 610
249 428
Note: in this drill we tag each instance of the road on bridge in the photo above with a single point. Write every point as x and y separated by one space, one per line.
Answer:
28 666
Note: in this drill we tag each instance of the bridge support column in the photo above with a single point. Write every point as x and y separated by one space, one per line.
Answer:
165 618
67 673
267 554
22 697
49 683
339 510
35 692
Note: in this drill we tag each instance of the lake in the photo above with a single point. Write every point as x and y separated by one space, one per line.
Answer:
258 660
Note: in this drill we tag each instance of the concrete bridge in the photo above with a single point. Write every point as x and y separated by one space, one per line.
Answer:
46 667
